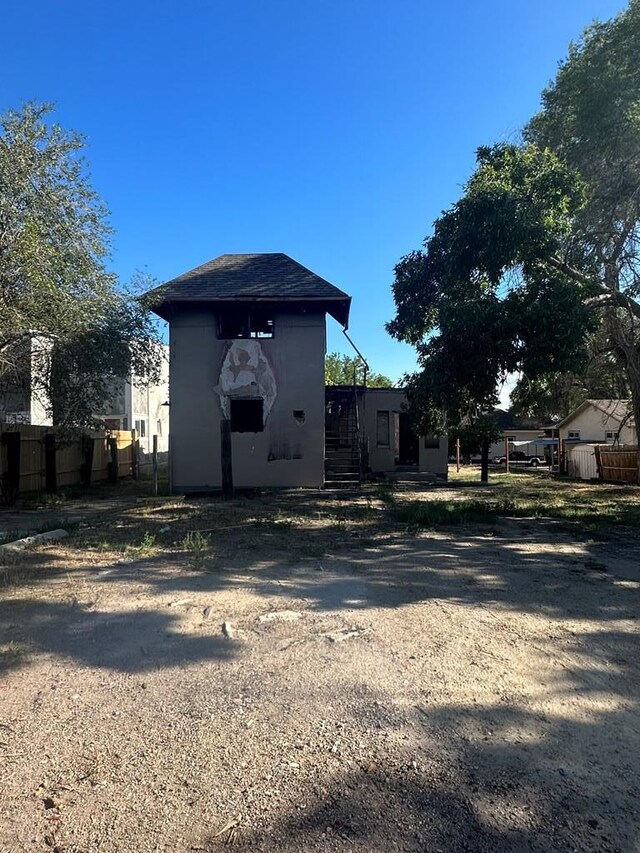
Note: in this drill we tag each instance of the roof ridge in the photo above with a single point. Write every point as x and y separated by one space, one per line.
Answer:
251 276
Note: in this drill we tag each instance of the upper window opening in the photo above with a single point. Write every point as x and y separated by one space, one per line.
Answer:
245 323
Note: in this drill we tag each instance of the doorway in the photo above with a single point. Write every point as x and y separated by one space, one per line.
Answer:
408 447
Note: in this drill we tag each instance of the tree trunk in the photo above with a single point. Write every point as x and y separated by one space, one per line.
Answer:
634 385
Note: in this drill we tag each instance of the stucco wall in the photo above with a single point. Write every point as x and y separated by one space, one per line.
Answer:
435 460
382 459
593 424
289 451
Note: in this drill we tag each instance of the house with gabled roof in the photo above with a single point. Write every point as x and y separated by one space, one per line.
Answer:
248 403
599 422
246 367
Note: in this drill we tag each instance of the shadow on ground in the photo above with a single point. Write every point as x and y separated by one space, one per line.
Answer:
507 779
133 641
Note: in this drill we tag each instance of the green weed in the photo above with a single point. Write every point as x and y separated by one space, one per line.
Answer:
198 544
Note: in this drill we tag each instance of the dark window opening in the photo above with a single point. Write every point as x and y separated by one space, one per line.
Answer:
299 415
236 323
260 324
246 415
431 443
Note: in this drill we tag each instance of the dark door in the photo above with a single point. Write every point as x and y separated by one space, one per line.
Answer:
408 442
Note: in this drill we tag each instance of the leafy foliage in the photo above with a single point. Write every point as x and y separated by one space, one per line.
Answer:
553 396
541 251
473 434
55 291
345 370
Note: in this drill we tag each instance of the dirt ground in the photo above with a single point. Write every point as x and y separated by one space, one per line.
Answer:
457 689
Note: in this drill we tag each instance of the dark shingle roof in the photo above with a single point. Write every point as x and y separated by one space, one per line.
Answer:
273 276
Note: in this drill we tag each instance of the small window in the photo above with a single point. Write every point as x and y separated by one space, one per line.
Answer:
299 416
431 443
382 429
234 323
141 428
573 435
246 415
159 428
610 435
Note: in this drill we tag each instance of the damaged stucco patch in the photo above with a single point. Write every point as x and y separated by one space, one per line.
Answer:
246 373
283 448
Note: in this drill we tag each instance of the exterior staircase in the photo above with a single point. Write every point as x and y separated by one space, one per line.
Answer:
342 458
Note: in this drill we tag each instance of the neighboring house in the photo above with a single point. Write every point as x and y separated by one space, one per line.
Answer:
247 347
23 399
524 435
599 422
531 441
136 404
133 404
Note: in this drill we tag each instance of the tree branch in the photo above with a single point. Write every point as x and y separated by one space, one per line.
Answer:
567 269
613 297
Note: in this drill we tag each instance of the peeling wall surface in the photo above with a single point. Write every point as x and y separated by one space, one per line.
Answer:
246 373
286 372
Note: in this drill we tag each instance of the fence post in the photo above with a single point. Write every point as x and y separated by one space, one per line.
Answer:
596 450
11 477
113 465
484 463
154 460
225 459
86 468
134 455
50 476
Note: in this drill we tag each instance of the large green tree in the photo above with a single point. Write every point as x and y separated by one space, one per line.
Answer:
55 291
541 253
342 369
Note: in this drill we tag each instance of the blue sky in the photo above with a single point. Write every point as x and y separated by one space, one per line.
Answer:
335 132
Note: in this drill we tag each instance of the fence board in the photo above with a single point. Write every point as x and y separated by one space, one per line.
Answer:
619 464
69 456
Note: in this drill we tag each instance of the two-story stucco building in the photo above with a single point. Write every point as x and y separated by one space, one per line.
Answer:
246 379
247 346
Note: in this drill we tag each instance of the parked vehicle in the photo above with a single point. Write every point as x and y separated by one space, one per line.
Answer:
519 457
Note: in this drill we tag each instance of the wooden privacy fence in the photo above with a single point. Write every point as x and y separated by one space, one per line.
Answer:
618 464
35 458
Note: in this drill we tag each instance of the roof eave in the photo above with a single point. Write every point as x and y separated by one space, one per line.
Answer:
338 308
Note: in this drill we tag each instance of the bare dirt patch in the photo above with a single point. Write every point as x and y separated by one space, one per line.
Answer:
305 673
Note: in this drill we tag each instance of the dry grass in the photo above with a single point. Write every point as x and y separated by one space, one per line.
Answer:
307 524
